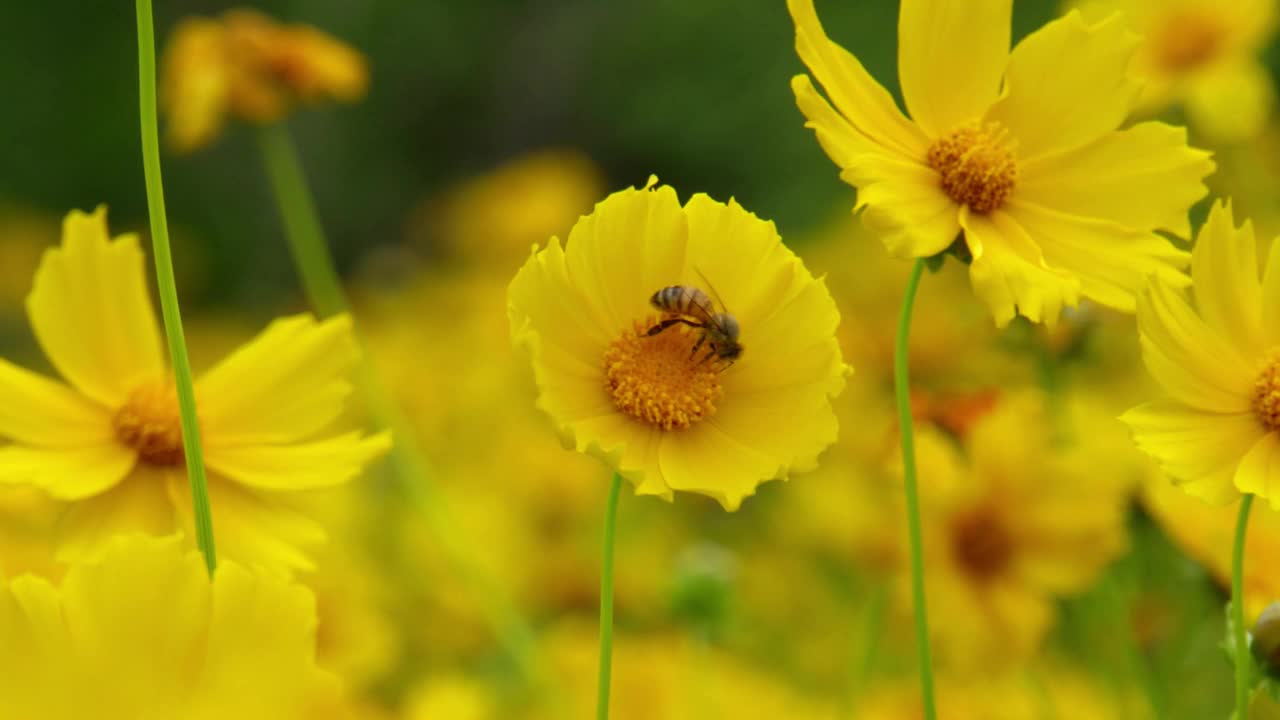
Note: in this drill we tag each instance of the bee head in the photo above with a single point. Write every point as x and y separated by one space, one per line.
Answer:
728 326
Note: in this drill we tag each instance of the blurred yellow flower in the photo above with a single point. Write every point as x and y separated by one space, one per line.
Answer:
1019 151
1012 525
110 442
142 632
248 66
662 409
1205 55
452 697
1214 431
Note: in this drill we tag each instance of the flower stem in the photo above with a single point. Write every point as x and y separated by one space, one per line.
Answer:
1237 610
902 389
324 291
606 600
168 286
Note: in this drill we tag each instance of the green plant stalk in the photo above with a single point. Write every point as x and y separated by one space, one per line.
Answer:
324 291
605 676
168 286
1242 656
902 390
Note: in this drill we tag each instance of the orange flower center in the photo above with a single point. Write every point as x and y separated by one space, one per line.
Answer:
976 165
149 423
659 379
1266 394
1187 41
981 544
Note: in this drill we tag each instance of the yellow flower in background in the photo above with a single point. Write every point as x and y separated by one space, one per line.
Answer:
1204 55
661 408
142 632
248 66
1018 151
1218 363
1019 515
110 441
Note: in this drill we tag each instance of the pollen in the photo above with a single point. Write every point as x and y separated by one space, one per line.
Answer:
659 379
1266 394
149 423
976 166
981 544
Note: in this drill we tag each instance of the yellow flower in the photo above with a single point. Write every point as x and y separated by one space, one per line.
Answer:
1205 55
110 441
662 409
249 66
1218 363
1019 151
142 632
1021 518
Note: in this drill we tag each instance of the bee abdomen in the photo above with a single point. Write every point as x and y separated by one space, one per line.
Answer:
679 299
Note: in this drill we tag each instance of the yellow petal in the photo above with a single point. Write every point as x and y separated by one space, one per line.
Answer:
1111 262
1228 291
1199 450
140 504
1050 104
195 82
38 411
1270 299
1231 103
842 143
34 672
1009 273
951 55
1259 471
903 202
91 313
299 466
286 384
860 99
626 444
707 461
1144 177
1190 360
67 473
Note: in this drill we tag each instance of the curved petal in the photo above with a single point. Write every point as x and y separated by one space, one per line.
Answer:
140 504
1189 359
1052 104
707 461
1259 471
67 473
1199 450
1009 273
951 55
1228 290
91 312
38 411
299 466
867 106
626 444
904 204
1111 262
1270 298
546 308
1144 177
286 384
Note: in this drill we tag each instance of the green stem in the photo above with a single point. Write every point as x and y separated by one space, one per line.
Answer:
606 600
168 286
324 291
1237 610
902 389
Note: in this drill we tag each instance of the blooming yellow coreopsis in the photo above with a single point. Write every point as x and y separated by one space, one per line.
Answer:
1218 362
249 66
1018 151
111 443
1205 55
143 632
663 412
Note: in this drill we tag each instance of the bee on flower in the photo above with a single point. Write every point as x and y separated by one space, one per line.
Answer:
108 442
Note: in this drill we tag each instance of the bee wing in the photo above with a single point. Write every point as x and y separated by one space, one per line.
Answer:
714 293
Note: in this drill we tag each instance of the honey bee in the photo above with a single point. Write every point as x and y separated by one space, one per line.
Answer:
693 307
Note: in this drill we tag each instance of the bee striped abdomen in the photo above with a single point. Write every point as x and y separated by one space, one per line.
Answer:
682 300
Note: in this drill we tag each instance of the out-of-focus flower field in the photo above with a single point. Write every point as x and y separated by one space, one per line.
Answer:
404 523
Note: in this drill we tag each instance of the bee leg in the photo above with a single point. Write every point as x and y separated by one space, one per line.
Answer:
664 325
711 352
694 351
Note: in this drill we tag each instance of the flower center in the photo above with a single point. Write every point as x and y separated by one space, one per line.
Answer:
658 378
149 423
1187 41
1266 393
976 165
980 544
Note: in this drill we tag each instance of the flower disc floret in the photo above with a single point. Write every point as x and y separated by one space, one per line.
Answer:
149 423
1266 394
659 379
976 166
